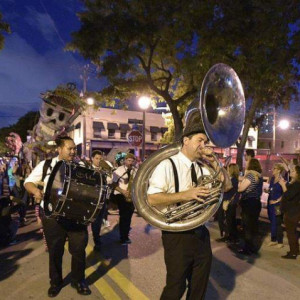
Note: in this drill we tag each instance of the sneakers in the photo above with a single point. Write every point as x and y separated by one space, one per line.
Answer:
289 256
270 244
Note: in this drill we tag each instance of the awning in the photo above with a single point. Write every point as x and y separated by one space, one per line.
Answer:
98 126
124 127
78 125
154 129
112 126
163 129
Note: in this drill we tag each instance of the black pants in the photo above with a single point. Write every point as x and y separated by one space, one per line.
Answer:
56 233
96 225
188 258
250 213
291 222
126 210
231 221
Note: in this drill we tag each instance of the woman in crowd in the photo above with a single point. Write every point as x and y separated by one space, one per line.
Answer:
227 211
251 189
290 207
274 211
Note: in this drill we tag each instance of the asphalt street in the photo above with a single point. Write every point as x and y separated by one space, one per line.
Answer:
137 271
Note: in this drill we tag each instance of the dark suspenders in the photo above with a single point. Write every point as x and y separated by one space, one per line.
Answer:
176 174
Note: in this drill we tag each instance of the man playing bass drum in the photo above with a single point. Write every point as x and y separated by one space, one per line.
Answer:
57 230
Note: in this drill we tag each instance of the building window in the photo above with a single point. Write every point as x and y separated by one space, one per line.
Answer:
123 135
98 127
296 144
111 133
282 144
153 136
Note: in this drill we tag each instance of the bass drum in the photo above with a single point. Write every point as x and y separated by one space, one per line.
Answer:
75 193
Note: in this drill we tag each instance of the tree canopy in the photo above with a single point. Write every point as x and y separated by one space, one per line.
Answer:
164 49
4 27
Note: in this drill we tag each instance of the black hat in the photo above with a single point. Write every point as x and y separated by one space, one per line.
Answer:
194 123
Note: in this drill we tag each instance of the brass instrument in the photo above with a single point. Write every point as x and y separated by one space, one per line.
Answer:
129 187
222 108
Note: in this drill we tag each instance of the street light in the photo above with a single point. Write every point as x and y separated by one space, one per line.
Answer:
144 103
89 101
282 124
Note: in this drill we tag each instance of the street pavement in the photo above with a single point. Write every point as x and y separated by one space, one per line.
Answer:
137 271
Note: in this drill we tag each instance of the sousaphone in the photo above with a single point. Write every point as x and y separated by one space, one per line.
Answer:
222 109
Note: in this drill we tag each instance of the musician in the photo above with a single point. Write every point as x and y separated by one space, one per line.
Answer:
187 254
122 179
98 163
57 230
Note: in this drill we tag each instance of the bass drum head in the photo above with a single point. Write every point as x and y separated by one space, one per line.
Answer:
54 188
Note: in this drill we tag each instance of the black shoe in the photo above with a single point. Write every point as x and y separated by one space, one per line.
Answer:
125 242
81 287
54 290
244 251
289 256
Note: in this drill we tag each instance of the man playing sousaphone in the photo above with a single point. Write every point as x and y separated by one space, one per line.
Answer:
58 230
187 254
122 179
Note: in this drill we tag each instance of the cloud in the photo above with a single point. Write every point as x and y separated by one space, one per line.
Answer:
25 73
41 22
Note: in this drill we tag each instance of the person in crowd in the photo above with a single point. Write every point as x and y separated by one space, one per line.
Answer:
58 230
273 207
290 206
187 254
2 175
98 163
8 227
249 154
230 201
288 165
122 180
251 189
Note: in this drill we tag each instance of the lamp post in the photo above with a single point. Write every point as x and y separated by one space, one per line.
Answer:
282 124
144 103
89 101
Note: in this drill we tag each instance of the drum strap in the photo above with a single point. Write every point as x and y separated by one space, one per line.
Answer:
47 165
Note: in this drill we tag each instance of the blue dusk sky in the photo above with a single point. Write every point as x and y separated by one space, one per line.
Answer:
33 59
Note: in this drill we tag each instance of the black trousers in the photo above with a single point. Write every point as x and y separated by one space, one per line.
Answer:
126 210
291 222
231 221
96 225
56 233
188 260
250 213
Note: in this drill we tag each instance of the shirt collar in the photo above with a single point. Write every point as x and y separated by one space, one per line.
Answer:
185 159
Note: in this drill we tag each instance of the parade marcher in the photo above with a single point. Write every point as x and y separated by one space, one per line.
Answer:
58 230
290 206
274 211
251 189
122 179
98 163
187 254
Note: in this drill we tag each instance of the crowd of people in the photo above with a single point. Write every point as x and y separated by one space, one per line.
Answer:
238 215
244 198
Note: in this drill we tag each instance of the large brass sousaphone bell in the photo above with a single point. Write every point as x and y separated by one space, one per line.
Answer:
222 108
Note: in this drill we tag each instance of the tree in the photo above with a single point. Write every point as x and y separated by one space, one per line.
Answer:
4 27
165 48
24 124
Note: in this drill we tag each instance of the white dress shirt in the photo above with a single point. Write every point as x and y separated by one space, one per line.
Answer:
162 179
37 173
120 176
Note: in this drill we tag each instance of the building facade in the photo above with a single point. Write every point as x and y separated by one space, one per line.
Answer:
105 129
